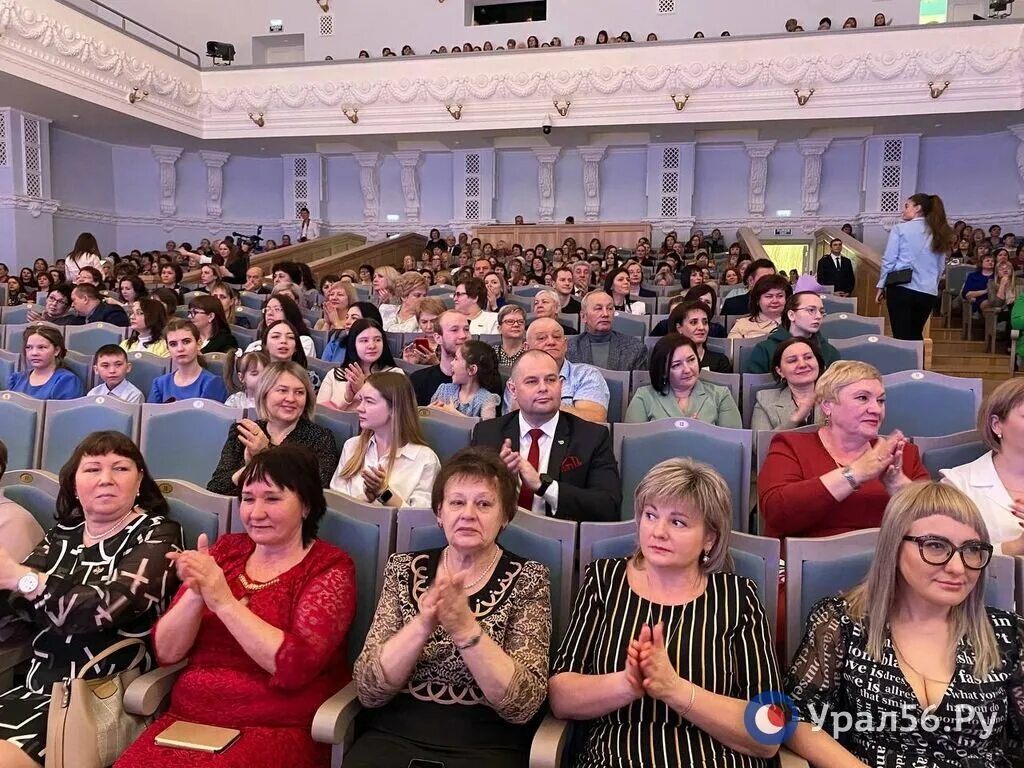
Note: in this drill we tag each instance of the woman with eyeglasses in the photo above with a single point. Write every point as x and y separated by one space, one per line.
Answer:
146 320
207 314
512 327
802 317
914 644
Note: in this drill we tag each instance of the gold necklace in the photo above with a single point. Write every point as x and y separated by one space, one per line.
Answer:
902 657
474 582
255 586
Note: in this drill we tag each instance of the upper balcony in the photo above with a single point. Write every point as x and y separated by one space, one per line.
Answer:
865 73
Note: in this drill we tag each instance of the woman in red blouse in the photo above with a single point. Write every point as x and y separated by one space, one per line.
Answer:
839 478
262 618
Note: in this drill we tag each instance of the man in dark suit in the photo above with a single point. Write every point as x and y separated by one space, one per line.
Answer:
738 302
565 464
836 270
89 307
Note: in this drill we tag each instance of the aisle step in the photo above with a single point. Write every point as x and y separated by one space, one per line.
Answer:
976 362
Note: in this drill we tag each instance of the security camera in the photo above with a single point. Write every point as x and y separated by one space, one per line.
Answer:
546 125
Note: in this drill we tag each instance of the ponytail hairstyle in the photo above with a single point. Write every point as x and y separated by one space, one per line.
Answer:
485 359
935 217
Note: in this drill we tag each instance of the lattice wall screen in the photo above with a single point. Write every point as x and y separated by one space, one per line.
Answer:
670 182
891 176
666 6
31 130
472 187
301 183
3 139
327 25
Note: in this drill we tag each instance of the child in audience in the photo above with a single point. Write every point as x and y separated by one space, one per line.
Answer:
246 374
475 383
188 379
44 376
111 366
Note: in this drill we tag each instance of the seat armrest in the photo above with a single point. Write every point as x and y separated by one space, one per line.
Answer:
789 759
548 745
14 653
146 693
334 720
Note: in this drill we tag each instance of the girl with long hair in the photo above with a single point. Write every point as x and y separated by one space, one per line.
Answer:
189 379
147 319
44 376
476 387
366 351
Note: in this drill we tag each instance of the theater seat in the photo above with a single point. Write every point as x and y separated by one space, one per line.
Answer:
36 491
446 433
9 363
184 439
21 427
146 368
343 424
68 422
196 510
87 338
843 325
950 451
888 355
929 404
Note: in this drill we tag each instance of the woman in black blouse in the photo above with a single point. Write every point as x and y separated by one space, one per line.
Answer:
101 575
664 649
692 319
912 654
284 402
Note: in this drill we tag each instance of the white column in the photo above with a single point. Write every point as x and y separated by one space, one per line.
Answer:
167 157
592 157
214 162
1018 131
812 150
546 158
758 152
410 162
369 183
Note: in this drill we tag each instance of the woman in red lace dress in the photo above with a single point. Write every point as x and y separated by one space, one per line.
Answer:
262 619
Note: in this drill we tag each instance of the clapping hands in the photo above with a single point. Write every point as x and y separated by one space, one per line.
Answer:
200 573
445 605
253 438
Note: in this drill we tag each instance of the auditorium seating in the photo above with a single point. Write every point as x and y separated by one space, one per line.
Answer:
68 422
950 451
888 355
444 432
844 325
928 404
163 426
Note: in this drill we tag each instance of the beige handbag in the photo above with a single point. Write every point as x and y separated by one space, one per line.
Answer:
87 726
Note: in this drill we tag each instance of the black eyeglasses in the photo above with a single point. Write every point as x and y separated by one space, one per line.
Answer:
936 550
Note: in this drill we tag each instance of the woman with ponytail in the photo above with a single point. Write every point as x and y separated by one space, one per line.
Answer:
912 265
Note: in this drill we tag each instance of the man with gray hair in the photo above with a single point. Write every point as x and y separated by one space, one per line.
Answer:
599 345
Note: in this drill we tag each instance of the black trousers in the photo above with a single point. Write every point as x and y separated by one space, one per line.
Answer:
908 311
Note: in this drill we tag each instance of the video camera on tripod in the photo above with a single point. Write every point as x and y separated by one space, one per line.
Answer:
256 241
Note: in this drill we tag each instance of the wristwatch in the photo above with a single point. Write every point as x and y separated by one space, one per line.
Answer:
848 474
385 496
28 583
545 481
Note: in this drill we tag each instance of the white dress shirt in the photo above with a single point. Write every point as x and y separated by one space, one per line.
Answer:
124 391
411 478
550 497
334 392
486 323
309 230
980 481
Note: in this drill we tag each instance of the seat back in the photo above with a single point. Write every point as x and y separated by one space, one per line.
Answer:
843 325
367 533
36 491
1000 583
730 381
638 447
14 315
631 325
928 404
21 427
446 433
215 362
91 336
81 365
956 276
817 568
752 384
9 363
722 346
343 424
527 290
573 321
742 349
244 336
196 510
254 316
14 334
840 304
639 379
146 368
252 300
618 391
201 426
68 422
1019 568
320 340
888 355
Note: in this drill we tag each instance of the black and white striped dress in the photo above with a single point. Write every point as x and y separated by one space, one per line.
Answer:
721 641
94 597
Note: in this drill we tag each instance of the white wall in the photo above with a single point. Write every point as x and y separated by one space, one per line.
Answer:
623 184
516 185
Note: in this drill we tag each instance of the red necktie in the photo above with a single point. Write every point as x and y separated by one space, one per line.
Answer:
525 494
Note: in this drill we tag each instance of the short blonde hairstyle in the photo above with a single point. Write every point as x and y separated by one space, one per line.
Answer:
1003 399
699 485
269 378
841 374
407 282
390 275
432 305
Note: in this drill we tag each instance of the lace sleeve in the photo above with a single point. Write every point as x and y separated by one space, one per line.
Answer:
527 643
371 684
322 618
813 677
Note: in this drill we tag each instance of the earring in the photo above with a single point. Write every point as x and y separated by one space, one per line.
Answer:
704 558
828 419
999 435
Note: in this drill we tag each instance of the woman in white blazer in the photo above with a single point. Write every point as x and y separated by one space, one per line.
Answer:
995 482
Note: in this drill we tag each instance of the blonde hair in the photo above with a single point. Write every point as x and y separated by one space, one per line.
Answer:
432 305
702 487
873 600
268 379
407 282
1003 399
841 374
390 275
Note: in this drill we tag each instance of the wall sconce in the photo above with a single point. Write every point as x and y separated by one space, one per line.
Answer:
137 95
937 90
562 107
258 119
351 114
325 5
680 101
455 112
802 99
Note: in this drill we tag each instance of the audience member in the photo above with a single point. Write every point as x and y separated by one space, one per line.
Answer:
207 314
767 300
278 307
617 285
110 365
452 332
280 342
86 253
57 308
512 327
840 477
836 270
564 286
243 378
366 351
918 617
470 300
597 344
389 461
262 618
337 299
229 301
131 289
146 320
189 378
635 654
19 530
254 281
802 319
676 390
383 284
476 384
44 376
796 366
976 286
456 662
546 304
692 319
423 350
738 301
410 288
89 307
496 290
109 510
565 463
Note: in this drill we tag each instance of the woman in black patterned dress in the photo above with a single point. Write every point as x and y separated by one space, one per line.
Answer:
910 668
664 649
101 575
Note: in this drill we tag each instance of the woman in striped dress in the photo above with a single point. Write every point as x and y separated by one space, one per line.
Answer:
664 649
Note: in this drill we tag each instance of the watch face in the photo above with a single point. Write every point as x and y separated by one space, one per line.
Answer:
28 583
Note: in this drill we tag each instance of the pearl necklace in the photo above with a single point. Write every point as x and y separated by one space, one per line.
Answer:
474 582
106 532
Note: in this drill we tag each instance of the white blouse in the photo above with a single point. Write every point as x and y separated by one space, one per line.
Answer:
334 392
980 481
391 323
411 477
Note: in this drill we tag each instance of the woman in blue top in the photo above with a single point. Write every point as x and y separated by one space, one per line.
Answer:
975 288
476 383
45 378
919 243
188 379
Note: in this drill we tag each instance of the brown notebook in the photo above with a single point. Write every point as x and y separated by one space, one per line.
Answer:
204 738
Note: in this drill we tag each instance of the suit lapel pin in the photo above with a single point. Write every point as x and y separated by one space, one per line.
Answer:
561 442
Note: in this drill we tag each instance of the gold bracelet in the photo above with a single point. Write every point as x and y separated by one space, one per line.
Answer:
693 696
472 642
